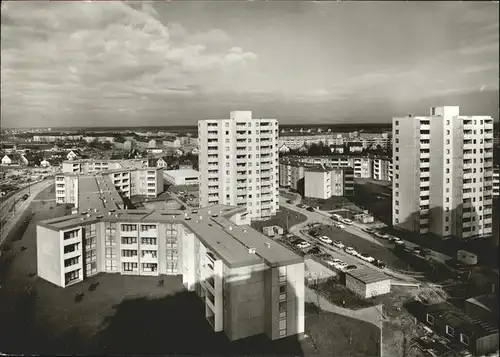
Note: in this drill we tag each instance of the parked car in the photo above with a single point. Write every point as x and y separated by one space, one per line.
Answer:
381 235
338 225
338 244
378 263
336 217
289 201
368 230
303 245
310 209
395 240
350 250
314 251
347 221
325 239
313 234
350 267
340 265
297 241
366 257
420 251
300 205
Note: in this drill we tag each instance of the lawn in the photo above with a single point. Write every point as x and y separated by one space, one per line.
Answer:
334 202
330 334
284 218
382 252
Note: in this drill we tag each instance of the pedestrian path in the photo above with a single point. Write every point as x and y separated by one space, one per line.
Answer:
372 314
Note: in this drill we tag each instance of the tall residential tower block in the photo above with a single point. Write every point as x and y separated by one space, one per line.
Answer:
238 163
443 169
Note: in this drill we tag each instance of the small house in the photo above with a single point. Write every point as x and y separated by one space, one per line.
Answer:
367 282
460 329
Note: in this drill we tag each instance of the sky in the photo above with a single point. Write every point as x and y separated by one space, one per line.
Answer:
94 63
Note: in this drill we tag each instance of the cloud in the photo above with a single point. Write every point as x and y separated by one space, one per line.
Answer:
60 57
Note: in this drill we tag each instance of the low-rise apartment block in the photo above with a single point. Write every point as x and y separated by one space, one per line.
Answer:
362 165
250 283
382 168
128 177
324 182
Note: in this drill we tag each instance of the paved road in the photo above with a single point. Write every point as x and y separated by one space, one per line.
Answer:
9 219
335 252
355 228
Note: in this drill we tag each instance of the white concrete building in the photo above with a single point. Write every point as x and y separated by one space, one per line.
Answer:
325 182
249 283
382 168
496 181
367 282
182 177
238 163
124 178
443 172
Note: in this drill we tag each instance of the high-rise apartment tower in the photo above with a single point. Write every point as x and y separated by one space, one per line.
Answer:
443 168
238 163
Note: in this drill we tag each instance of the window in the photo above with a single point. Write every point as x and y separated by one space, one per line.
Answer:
430 319
72 276
282 289
129 227
148 227
129 240
281 273
151 241
282 306
129 266
71 248
71 261
129 253
464 339
450 331
71 234
90 230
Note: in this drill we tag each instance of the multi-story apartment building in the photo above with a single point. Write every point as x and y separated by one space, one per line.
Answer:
147 181
382 168
362 165
250 284
324 182
238 163
90 166
298 141
443 168
496 181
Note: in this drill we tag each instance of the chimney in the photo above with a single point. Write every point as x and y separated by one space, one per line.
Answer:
268 245
230 228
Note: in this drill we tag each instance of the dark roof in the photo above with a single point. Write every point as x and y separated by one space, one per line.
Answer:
456 318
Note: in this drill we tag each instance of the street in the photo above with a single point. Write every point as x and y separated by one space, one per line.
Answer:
10 217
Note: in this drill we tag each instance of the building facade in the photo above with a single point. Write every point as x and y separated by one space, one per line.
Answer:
238 163
496 181
128 177
325 182
382 168
250 284
362 165
448 193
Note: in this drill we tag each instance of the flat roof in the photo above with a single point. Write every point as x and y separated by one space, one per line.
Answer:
182 173
97 193
367 275
228 241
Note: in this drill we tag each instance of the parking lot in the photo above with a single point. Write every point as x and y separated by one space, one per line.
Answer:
382 252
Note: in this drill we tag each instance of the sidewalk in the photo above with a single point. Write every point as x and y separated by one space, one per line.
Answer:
369 314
